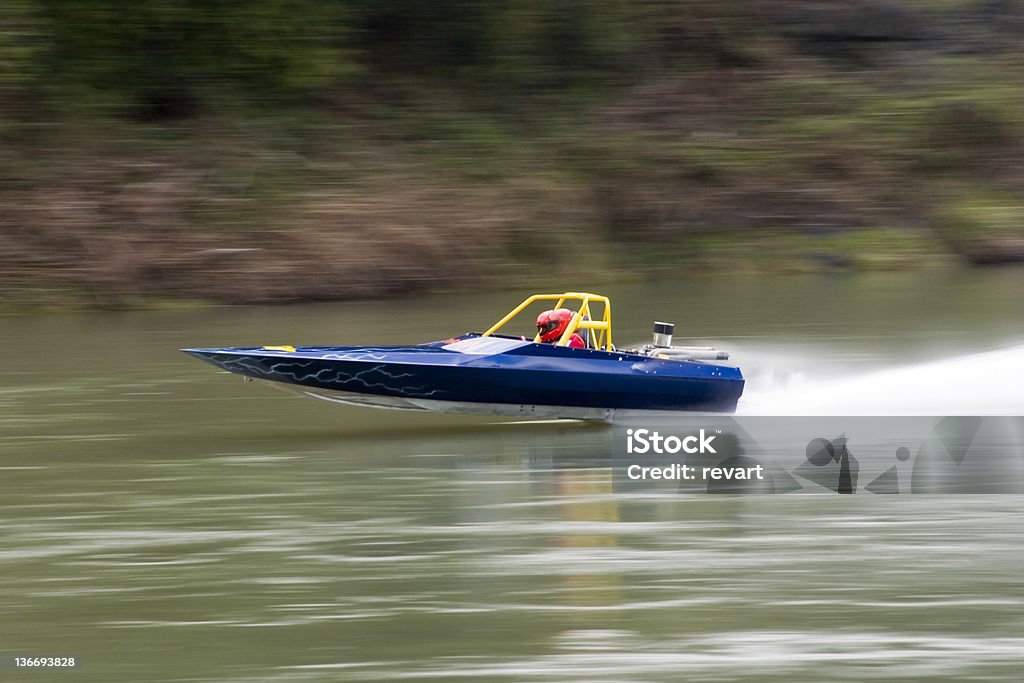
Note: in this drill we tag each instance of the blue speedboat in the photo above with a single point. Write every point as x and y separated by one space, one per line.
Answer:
569 369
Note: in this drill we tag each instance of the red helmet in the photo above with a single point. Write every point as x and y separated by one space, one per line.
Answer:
551 324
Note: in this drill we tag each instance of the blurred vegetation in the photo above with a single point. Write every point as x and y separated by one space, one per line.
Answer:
278 150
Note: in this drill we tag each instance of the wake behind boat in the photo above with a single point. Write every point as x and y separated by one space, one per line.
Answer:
570 369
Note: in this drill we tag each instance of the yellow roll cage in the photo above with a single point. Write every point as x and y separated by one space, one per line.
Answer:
582 318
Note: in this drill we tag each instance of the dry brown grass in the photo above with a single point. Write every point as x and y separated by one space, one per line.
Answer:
123 229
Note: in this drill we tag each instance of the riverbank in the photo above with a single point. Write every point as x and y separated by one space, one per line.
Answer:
765 152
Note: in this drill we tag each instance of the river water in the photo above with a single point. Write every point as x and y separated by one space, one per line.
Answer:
163 521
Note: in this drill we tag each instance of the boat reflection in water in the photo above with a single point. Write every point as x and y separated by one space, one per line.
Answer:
761 455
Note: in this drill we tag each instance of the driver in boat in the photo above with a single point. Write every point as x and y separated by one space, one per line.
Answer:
551 326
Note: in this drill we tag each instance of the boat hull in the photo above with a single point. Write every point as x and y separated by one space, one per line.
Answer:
492 376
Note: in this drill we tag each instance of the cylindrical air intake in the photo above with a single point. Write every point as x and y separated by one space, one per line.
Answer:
663 334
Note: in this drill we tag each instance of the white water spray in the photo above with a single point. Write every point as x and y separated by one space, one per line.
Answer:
988 383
